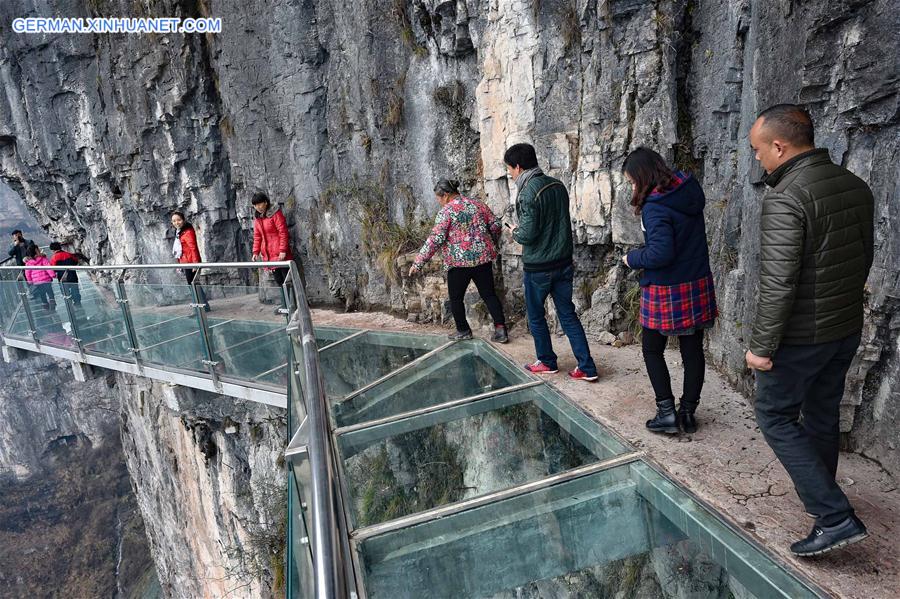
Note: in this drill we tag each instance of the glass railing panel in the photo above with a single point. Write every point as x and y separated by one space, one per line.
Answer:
54 327
248 337
300 579
366 358
48 310
296 385
462 370
243 302
414 464
595 536
10 304
99 320
166 325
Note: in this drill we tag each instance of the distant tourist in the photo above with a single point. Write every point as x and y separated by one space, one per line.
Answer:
19 248
677 291
467 233
816 249
68 279
271 239
185 250
545 233
41 281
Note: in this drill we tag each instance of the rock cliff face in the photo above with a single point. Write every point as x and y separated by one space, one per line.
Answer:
210 482
347 112
66 498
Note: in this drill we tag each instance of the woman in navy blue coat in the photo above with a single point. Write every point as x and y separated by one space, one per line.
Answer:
677 293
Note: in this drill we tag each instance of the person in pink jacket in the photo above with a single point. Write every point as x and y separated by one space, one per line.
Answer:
41 281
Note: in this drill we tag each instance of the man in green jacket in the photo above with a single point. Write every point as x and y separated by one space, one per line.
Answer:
545 233
816 248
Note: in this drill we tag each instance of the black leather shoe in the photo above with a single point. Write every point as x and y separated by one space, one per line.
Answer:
823 539
460 335
686 416
665 421
500 334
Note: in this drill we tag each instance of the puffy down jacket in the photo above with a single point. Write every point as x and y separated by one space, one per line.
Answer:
816 249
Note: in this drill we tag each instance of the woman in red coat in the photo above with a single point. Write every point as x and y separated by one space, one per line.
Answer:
271 239
186 252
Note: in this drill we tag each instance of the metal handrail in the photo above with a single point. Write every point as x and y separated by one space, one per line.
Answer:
328 530
170 266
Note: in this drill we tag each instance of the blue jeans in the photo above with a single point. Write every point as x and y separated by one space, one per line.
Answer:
556 283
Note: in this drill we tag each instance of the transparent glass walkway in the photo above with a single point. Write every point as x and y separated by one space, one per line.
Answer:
238 348
417 467
462 476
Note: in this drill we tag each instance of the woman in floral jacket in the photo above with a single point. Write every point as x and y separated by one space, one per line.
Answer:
466 232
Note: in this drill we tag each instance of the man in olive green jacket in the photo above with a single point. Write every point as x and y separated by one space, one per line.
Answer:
545 233
816 248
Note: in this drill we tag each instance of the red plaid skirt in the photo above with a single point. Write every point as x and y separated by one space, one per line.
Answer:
677 309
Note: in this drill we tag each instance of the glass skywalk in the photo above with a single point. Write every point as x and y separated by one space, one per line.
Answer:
463 476
417 467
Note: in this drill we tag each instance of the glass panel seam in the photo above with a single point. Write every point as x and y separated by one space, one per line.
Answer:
399 370
436 408
339 341
366 532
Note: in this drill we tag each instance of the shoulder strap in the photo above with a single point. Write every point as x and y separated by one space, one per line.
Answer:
545 187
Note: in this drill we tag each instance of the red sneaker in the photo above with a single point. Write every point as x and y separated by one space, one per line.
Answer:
540 368
579 375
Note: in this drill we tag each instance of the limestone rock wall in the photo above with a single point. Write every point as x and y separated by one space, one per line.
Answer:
209 478
346 113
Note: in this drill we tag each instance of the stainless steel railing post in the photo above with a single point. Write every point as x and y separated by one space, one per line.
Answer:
329 563
122 300
26 306
65 290
200 309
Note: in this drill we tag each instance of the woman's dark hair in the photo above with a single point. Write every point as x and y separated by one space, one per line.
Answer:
446 186
32 251
260 198
648 170
56 246
521 155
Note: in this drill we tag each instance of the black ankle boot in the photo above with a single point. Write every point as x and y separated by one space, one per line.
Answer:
666 421
686 416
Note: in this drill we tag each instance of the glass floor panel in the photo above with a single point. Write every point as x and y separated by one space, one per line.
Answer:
462 370
368 357
414 464
625 532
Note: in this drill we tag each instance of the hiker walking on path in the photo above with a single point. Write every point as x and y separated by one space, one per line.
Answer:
677 292
41 281
68 279
185 250
816 249
467 233
545 233
271 239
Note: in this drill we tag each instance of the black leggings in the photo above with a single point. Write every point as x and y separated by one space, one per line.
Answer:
281 274
458 281
654 344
